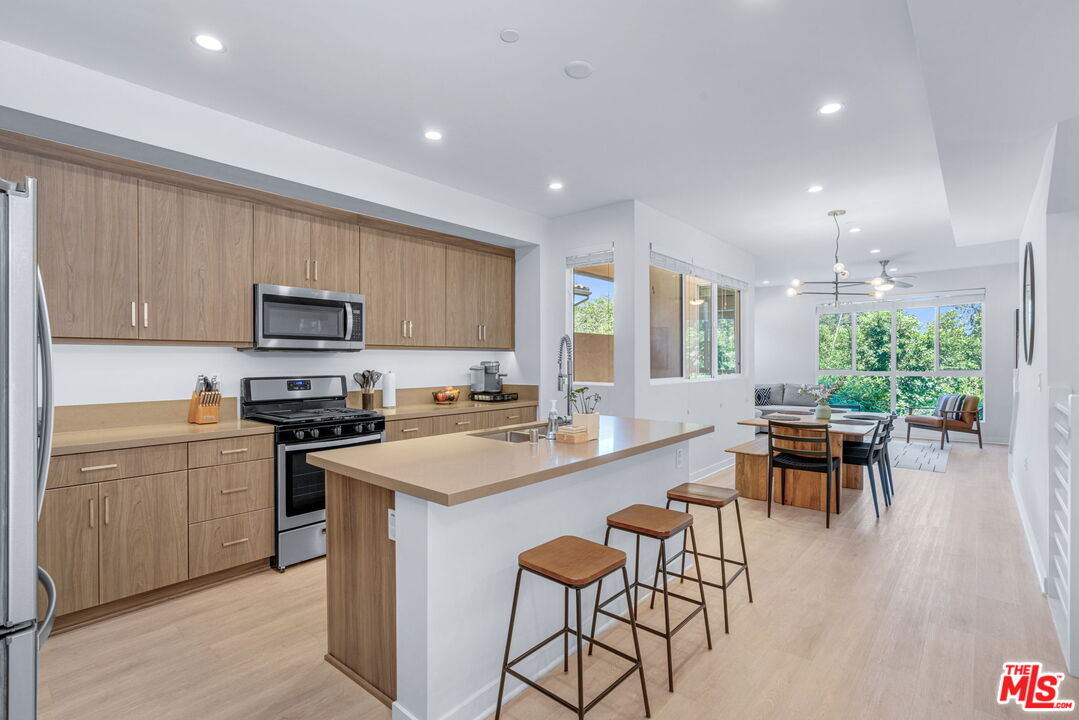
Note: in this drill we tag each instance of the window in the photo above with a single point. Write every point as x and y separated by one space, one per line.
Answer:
695 326
593 322
902 359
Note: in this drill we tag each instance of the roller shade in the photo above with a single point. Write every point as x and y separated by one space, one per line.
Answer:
597 257
682 267
955 297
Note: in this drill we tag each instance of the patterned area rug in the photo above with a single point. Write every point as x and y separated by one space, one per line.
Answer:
919 456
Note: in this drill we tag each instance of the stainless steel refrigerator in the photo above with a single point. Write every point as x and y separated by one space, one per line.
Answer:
25 443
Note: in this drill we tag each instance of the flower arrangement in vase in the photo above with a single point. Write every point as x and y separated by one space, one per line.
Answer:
584 411
822 394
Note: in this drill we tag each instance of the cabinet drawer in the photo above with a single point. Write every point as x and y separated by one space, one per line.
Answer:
409 429
230 450
511 416
461 422
217 492
219 544
67 470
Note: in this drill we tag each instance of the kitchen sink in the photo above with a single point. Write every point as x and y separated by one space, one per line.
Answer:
518 435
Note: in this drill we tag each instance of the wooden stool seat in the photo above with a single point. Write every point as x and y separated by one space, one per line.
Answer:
572 560
698 494
652 521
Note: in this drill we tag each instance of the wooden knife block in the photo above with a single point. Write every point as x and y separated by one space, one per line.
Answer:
202 414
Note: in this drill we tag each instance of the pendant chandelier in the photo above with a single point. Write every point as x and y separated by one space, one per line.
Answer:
839 284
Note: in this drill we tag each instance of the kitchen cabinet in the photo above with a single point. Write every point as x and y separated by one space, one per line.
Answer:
143 534
231 541
479 310
87 246
460 422
511 416
409 429
67 539
301 250
195 269
404 281
224 490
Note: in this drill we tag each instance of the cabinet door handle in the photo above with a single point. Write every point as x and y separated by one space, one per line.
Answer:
134 315
91 468
91 512
464 422
405 430
231 491
410 333
233 452
479 332
106 509
512 417
404 328
146 314
307 269
230 543
316 270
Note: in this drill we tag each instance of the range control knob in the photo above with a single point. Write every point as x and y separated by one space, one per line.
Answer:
358 427
314 432
299 434
337 430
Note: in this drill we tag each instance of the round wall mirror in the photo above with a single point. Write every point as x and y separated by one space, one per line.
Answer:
1028 303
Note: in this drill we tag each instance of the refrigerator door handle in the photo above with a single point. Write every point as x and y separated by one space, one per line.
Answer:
45 626
44 341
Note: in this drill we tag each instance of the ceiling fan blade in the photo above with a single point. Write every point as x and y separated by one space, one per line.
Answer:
900 283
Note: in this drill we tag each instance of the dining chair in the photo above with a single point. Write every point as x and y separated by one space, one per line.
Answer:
868 454
808 451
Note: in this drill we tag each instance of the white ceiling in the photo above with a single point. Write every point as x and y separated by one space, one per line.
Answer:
705 111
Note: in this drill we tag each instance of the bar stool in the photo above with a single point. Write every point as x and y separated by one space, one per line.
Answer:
659 524
718 498
574 563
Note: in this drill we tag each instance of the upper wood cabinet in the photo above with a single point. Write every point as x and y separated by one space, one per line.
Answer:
195 273
404 281
87 246
480 309
302 250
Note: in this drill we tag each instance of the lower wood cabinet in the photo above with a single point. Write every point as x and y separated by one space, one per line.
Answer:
143 534
461 422
511 416
227 542
68 546
409 429
217 492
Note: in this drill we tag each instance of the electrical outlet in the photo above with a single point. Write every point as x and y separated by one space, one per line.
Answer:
680 457
391 522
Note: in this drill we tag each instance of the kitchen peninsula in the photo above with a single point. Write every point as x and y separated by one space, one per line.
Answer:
423 539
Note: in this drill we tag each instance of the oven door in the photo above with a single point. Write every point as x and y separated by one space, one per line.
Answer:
289 318
301 487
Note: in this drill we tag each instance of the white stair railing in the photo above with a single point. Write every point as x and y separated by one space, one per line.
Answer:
1063 531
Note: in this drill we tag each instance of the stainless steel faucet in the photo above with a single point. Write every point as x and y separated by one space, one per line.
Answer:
565 374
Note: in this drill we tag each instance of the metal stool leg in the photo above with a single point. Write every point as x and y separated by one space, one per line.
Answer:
636 642
565 635
667 617
722 573
700 586
599 594
742 540
580 662
509 639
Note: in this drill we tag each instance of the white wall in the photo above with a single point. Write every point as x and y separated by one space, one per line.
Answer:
723 401
788 328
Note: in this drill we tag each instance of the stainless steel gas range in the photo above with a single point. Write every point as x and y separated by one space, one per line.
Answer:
310 414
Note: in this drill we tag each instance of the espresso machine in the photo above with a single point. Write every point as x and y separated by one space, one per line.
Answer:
487 383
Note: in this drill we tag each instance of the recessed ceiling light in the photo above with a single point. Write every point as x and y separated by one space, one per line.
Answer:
830 108
509 35
578 69
433 135
815 188
555 185
209 42
855 229
874 251
893 269
766 282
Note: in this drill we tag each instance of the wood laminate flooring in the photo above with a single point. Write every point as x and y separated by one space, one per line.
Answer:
910 616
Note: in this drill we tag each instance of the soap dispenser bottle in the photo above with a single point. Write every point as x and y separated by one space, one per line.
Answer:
552 421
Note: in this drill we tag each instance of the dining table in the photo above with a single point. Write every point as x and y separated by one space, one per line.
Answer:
802 488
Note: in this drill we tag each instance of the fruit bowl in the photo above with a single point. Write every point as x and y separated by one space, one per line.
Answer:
446 396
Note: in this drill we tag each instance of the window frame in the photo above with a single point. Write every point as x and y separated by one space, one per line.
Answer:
571 327
894 373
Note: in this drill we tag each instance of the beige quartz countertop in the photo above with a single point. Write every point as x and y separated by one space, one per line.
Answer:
457 468
411 412
115 438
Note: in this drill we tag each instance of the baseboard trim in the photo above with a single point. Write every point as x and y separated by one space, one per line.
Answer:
709 470
356 678
1028 532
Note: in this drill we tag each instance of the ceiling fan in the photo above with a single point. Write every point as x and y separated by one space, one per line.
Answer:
884 281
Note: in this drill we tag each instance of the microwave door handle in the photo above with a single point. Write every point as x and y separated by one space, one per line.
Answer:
348 321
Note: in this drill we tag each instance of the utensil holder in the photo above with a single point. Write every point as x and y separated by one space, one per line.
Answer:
200 414
367 399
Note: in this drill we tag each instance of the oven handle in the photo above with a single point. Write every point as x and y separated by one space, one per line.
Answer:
325 445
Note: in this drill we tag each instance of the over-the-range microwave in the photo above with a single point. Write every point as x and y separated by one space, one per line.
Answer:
291 318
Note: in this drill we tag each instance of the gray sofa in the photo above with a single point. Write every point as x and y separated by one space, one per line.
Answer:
782 396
